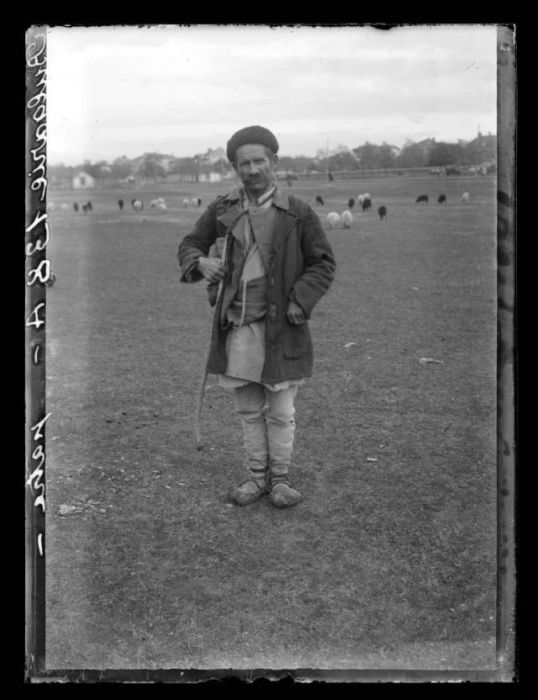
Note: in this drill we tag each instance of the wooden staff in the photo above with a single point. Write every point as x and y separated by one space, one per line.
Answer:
203 382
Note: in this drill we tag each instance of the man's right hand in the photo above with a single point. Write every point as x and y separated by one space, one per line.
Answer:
211 268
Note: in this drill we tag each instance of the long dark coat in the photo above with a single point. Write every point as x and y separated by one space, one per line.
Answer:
301 269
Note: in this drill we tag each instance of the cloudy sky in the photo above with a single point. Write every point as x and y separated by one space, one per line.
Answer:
116 91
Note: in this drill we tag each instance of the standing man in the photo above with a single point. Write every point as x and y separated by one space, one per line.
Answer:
275 265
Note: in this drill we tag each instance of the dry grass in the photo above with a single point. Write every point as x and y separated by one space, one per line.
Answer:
387 563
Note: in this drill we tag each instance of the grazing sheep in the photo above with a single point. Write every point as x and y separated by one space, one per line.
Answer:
137 204
89 206
199 201
161 206
85 208
194 202
50 206
186 203
120 204
153 203
351 203
360 199
333 218
319 200
347 218
367 195
75 206
382 211
366 203
64 207
466 198
422 198
442 199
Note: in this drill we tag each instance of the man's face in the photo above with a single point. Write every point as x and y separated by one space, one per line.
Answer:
255 167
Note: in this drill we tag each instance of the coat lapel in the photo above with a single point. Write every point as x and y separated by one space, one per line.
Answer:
231 216
284 221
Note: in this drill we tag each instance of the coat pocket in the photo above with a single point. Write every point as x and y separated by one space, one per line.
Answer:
296 342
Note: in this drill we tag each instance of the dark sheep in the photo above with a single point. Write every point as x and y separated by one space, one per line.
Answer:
350 203
442 198
85 208
422 198
75 206
382 211
319 200
366 204
120 204
199 200
89 205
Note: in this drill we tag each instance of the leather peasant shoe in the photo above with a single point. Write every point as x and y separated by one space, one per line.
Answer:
283 495
249 491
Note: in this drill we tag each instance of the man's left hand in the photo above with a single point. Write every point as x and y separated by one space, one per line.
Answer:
295 314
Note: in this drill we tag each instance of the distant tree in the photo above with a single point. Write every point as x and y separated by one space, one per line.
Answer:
222 166
183 166
482 149
121 168
96 170
443 153
367 156
61 171
344 160
386 156
303 164
151 169
412 155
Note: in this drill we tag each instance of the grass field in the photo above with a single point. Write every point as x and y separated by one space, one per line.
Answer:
385 564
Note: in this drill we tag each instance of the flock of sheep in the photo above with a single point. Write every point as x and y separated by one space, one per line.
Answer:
159 203
136 204
424 198
365 202
86 207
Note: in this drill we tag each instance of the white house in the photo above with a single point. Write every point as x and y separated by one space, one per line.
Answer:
210 177
83 181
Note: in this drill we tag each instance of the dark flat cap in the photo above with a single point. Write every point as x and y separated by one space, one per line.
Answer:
251 134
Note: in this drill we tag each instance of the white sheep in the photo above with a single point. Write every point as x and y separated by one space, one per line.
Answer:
64 207
137 205
367 195
186 203
347 218
153 204
333 218
466 198
161 206
360 199
50 206
194 202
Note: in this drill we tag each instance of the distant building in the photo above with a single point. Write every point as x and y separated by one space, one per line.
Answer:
83 181
212 176
213 155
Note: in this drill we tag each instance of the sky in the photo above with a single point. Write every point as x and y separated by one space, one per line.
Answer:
179 90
